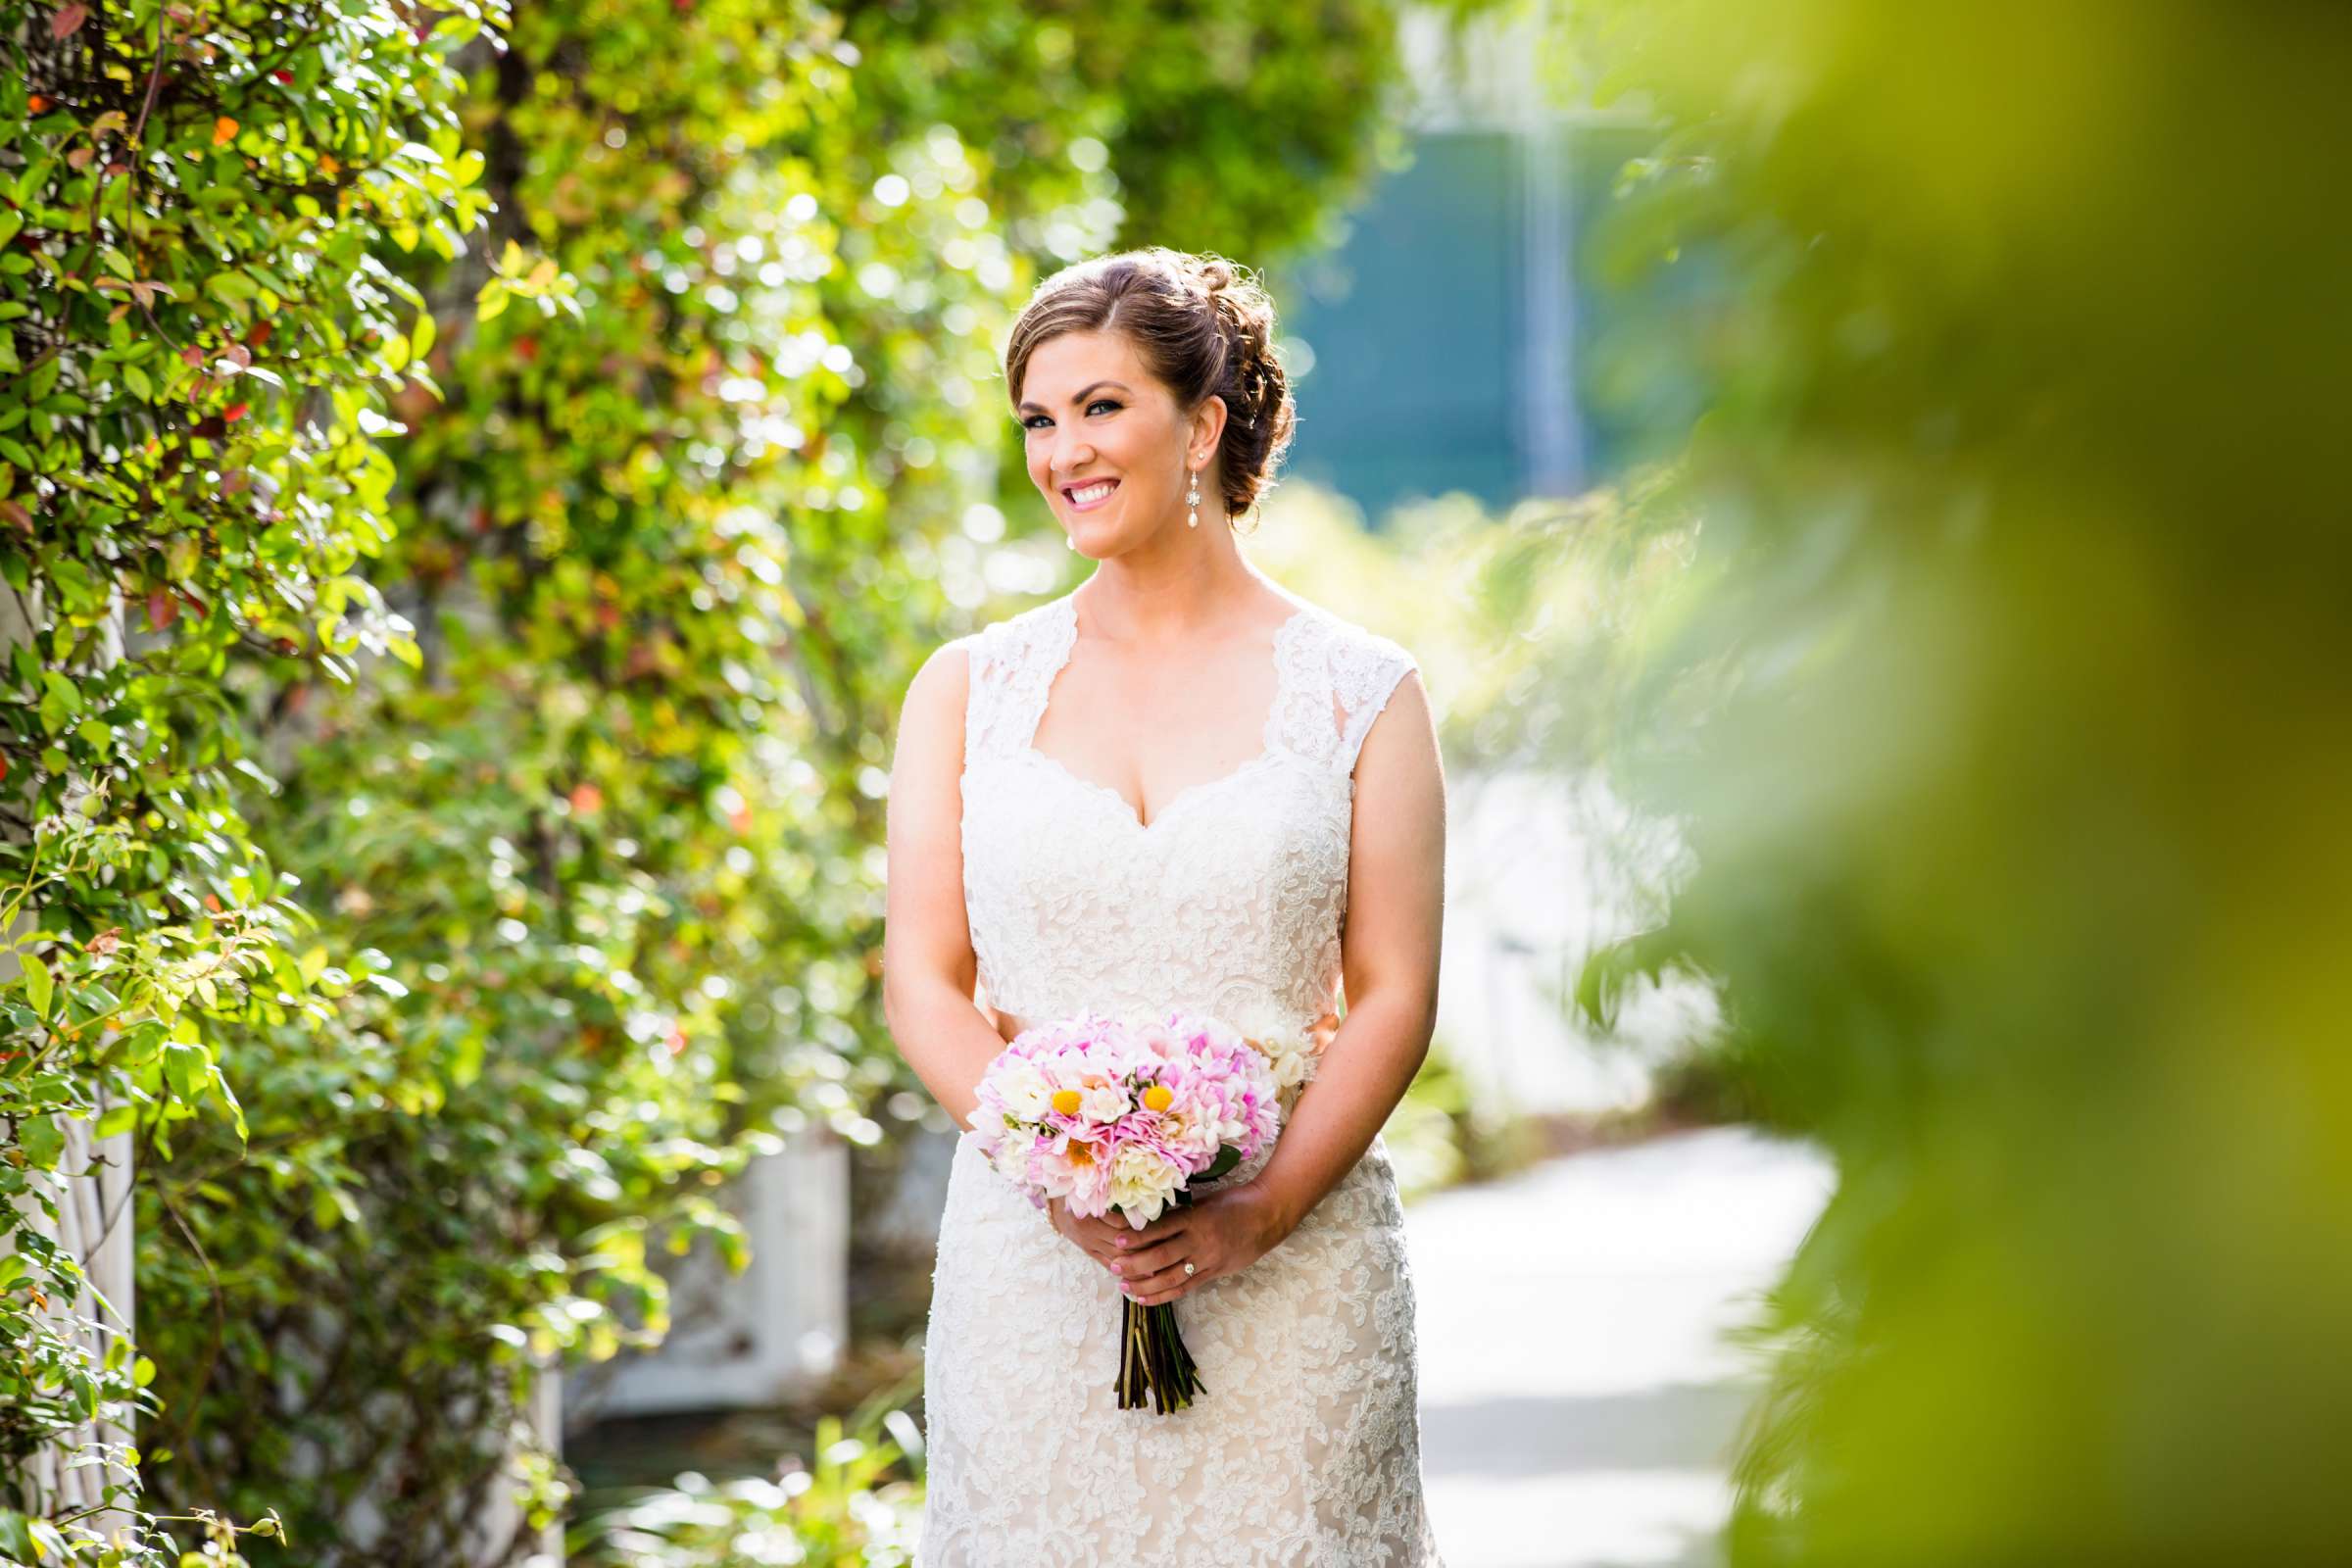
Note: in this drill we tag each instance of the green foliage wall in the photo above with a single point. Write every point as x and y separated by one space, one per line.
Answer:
193 490
2006 711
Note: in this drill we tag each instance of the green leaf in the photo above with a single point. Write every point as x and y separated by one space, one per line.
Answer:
184 1069
42 1141
16 1536
38 987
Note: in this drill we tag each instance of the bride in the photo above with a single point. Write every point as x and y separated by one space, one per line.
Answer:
1177 786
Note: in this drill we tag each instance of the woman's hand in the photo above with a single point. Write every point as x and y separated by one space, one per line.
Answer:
1219 1233
1098 1238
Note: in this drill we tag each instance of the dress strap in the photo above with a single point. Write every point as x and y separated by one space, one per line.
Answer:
1335 679
1013 663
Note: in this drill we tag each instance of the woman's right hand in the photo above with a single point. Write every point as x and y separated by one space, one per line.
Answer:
1098 1238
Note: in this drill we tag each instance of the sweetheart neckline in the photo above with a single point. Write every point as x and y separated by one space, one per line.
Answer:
1270 732
1196 787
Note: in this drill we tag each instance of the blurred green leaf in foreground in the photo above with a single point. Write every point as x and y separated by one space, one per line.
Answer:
2009 712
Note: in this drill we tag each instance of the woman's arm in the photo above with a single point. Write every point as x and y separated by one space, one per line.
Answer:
928 968
1389 959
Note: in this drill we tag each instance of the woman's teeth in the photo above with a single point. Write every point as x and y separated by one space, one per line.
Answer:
1086 496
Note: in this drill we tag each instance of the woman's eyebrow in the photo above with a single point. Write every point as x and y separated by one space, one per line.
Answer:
1080 397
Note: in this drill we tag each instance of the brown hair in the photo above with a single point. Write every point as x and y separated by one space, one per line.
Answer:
1202 324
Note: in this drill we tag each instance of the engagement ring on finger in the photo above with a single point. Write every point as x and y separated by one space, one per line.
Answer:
1188 1268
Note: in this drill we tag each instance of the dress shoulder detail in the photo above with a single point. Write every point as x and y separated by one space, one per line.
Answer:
1336 678
1013 663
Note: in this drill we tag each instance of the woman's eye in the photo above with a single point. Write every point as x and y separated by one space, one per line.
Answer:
1031 423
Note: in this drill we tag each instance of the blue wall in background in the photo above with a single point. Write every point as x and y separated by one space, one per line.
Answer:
1419 324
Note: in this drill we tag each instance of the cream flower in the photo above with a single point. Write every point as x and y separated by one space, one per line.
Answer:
1106 1103
1026 1093
1142 1182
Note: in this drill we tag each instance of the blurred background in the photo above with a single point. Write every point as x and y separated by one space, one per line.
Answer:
1861 480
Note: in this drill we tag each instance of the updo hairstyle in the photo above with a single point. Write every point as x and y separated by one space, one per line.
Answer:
1202 324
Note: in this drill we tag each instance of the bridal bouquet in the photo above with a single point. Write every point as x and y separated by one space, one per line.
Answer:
1121 1115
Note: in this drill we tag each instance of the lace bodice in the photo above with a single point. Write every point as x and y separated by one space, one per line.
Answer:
1230 900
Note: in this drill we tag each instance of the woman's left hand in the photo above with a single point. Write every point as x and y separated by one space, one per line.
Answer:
1219 1233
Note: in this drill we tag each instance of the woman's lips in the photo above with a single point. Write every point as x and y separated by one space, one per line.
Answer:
1071 492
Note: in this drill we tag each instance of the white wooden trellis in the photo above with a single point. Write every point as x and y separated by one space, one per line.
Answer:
767 1335
91 1188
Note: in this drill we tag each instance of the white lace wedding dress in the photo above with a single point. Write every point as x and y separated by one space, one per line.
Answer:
1304 1451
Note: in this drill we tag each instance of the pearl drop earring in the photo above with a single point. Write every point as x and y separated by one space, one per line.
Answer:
1193 500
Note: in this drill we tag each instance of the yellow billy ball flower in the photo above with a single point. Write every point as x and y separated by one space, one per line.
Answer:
1160 1096
1065 1101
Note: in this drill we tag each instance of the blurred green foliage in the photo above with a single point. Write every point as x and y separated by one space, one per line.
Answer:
1241 127
2004 704
855 1502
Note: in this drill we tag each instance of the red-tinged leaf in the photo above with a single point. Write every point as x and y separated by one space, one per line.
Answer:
106 941
67 21
192 357
79 158
162 609
260 334
212 903
240 356
281 76
2 764
17 515
117 313
144 293
234 411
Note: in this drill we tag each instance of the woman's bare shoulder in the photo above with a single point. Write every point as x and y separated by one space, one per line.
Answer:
936 696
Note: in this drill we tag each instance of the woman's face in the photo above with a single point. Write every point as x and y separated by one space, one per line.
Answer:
1093 417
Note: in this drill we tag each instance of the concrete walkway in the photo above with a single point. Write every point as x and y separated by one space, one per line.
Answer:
1577 1405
